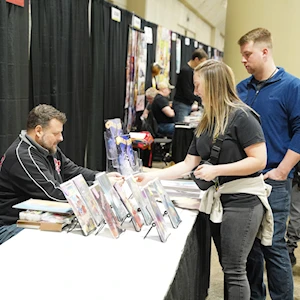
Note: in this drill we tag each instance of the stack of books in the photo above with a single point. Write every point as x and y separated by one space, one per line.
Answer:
44 215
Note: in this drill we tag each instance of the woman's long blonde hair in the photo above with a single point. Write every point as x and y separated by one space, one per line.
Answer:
220 96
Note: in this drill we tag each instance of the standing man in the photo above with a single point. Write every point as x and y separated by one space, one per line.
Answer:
184 96
34 167
275 95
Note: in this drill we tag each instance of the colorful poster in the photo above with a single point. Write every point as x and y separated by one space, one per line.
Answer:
135 75
163 49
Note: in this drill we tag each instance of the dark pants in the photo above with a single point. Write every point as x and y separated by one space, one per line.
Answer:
8 231
278 266
238 230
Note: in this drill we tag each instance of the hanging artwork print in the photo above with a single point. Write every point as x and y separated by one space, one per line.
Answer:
163 49
135 75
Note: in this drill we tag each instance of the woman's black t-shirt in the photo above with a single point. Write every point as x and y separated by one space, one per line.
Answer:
244 130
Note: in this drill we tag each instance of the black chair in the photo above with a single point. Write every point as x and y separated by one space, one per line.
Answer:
162 144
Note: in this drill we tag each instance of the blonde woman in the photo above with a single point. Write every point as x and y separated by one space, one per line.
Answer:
242 156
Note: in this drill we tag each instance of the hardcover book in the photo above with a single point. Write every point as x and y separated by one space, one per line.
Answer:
136 220
107 212
89 199
156 214
80 209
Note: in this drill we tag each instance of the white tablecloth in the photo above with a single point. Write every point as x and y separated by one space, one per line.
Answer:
51 265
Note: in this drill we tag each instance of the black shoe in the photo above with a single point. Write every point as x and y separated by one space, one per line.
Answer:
292 258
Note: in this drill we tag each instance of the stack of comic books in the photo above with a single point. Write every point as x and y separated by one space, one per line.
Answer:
44 214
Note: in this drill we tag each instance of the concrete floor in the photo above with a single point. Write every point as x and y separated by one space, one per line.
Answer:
216 277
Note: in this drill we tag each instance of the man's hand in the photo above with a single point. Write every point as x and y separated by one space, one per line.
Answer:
275 174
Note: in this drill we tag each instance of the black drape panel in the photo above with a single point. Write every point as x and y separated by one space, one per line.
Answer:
109 52
61 66
13 71
151 52
186 51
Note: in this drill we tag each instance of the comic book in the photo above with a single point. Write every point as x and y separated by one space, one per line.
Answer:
111 196
89 199
137 195
167 202
136 220
107 212
79 207
156 214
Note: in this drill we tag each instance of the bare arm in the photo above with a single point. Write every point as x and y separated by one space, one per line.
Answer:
255 161
176 171
168 111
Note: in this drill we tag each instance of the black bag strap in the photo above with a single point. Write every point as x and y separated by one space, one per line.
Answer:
217 145
216 149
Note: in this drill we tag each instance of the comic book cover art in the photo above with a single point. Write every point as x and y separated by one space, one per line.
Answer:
167 202
113 129
137 195
79 207
126 157
156 214
111 196
107 212
136 220
88 197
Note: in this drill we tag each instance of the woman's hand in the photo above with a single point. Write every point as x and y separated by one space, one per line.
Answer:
143 178
206 172
116 177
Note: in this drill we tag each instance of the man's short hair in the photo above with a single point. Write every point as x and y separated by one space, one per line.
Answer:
200 54
151 92
42 115
257 35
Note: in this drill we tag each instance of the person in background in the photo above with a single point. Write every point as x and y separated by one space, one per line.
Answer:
34 167
184 99
275 95
243 154
161 109
156 69
293 230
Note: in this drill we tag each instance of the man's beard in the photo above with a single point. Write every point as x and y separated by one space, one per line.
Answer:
51 150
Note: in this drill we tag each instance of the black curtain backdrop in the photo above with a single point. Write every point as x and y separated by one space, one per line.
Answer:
151 51
109 52
13 71
186 51
61 66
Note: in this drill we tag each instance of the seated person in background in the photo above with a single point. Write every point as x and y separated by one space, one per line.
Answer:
184 99
161 109
34 167
165 91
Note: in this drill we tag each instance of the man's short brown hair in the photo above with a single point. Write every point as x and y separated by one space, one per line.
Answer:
257 35
42 115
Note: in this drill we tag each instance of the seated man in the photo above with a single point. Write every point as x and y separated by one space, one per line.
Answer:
161 109
34 167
